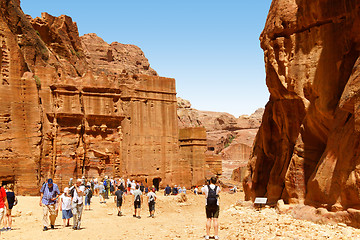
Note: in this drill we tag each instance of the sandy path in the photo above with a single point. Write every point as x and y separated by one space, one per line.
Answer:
173 220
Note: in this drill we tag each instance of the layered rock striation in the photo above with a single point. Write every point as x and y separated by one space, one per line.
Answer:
73 106
307 148
229 139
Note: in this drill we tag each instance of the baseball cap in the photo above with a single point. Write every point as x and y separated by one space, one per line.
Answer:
50 181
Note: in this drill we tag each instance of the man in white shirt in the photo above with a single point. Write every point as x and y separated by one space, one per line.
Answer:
212 207
77 193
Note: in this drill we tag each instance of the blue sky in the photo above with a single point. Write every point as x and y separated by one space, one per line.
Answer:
210 47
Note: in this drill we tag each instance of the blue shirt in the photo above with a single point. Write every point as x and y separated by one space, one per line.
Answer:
49 193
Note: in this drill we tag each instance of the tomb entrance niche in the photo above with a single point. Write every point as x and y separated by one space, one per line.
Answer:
156 183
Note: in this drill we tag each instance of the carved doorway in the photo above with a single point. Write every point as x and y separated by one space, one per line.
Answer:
156 183
6 180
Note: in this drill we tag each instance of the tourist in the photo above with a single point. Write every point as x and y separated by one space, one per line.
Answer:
49 194
12 201
142 188
128 184
138 199
146 190
101 193
83 181
211 192
196 190
151 201
107 187
65 207
92 184
179 190
119 198
167 190
4 206
122 186
71 182
175 190
96 189
112 186
88 195
133 186
77 193
184 190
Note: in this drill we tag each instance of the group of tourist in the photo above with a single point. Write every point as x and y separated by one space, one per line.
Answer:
71 202
7 201
174 190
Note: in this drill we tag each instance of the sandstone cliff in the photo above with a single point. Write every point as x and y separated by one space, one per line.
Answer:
69 110
228 137
114 58
307 147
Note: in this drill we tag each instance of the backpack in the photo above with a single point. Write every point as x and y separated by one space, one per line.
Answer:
72 191
137 199
152 199
90 194
212 196
105 183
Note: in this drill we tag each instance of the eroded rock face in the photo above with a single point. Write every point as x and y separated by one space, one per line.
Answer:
63 115
307 147
229 139
114 58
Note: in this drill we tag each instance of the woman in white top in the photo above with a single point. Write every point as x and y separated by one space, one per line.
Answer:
65 207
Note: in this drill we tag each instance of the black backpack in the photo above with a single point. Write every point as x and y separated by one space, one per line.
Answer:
151 198
212 196
137 198
90 194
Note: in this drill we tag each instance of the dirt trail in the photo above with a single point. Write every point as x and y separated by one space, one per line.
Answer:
174 221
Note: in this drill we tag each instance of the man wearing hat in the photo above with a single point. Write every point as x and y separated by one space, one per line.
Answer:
49 194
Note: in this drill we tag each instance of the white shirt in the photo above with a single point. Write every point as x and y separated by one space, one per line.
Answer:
151 194
77 197
205 190
65 202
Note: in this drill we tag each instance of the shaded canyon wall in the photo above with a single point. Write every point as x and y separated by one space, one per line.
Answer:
307 148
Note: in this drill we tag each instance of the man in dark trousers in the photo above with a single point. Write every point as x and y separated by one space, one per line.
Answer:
211 192
119 198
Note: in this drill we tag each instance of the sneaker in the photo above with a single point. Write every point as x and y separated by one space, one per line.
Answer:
119 214
45 228
207 237
216 237
138 217
8 228
74 228
52 227
134 215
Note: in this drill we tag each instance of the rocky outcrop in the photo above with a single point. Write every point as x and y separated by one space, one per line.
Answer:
114 58
307 147
61 36
65 114
229 139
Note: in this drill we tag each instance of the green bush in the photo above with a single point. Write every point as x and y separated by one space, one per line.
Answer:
38 82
